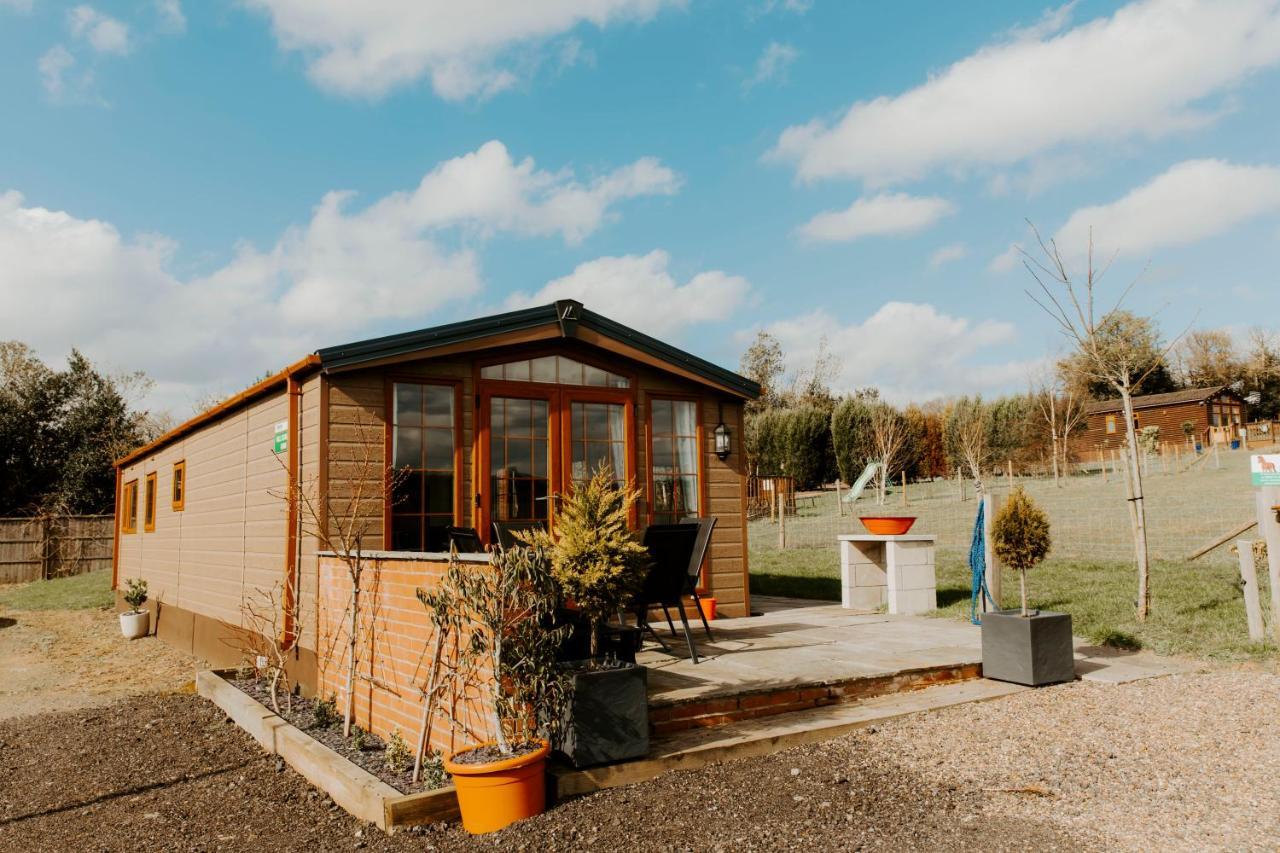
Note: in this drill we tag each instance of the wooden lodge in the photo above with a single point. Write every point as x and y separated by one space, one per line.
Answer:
1216 414
476 422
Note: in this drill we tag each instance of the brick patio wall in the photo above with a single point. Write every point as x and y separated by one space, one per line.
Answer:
394 649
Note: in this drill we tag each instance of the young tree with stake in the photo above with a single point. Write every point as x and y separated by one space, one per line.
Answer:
1116 348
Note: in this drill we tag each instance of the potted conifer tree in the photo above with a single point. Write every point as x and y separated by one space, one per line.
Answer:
1025 646
135 622
599 565
507 665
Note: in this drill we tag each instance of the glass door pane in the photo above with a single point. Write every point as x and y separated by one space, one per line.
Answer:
674 427
519 452
597 436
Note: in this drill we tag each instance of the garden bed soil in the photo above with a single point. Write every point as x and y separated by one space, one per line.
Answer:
371 757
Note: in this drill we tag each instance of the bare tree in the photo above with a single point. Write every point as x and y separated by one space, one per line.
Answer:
888 439
1063 410
1209 357
270 617
967 434
1115 347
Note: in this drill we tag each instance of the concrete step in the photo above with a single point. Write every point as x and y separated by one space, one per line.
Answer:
699 747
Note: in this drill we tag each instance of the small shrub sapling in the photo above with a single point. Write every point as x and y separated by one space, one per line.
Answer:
397 755
135 594
596 560
1020 535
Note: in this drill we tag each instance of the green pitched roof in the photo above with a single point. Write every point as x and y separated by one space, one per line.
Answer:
568 314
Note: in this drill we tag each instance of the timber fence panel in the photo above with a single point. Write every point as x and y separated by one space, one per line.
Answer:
43 547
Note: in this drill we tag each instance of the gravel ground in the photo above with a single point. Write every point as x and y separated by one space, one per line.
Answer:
54 660
1180 763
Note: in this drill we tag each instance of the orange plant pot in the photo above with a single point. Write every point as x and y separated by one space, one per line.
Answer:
708 607
887 525
497 794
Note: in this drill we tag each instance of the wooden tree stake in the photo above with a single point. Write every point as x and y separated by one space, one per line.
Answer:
1249 575
1267 501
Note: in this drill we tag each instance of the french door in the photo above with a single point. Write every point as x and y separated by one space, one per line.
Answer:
537 443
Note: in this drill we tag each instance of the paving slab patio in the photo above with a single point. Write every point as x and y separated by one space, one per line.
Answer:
797 643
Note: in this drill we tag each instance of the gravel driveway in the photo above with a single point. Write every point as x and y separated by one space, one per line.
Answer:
1186 762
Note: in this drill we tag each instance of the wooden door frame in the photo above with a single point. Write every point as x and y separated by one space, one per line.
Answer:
559 399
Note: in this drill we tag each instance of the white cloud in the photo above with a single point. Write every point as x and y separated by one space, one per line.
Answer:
883 214
1007 260
640 291
1193 200
948 254
772 65
171 17
487 190
67 281
951 356
53 66
371 47
1144 71
104 33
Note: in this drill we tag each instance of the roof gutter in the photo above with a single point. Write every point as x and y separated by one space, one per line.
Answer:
266 386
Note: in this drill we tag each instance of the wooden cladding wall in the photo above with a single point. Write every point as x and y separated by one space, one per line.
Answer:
1169 419
228 542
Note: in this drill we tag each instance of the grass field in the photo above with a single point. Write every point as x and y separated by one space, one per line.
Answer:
78 592
1089 516
1197 609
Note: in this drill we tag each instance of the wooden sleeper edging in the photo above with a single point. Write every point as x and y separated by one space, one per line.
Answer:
356 790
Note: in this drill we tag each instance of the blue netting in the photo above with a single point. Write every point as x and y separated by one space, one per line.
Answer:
978 568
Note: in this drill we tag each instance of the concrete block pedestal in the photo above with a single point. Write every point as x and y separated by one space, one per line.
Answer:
897 571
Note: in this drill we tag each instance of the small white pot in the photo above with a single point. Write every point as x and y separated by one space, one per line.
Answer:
135 625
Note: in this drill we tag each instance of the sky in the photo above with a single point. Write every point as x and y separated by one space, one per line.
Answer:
209 191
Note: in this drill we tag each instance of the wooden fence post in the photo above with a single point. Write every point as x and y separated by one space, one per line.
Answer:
904 488
1267 499
990 506
44 546
839 502
1102 461
1249 576
782 520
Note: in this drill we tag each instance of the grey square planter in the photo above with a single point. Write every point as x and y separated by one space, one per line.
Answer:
608 717
1033 651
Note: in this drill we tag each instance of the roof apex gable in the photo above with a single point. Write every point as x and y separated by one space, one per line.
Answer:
571 318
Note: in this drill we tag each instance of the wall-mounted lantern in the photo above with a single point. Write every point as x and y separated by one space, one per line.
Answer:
722 438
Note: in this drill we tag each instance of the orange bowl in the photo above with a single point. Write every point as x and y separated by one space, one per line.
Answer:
887 525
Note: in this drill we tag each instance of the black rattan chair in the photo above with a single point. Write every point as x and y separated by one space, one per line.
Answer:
465 540
700 546
671 548
504 532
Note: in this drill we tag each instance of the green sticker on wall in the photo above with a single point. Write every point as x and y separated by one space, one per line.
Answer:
280 442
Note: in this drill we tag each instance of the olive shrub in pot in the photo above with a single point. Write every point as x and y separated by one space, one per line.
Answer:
599 565
135 622
1025 646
